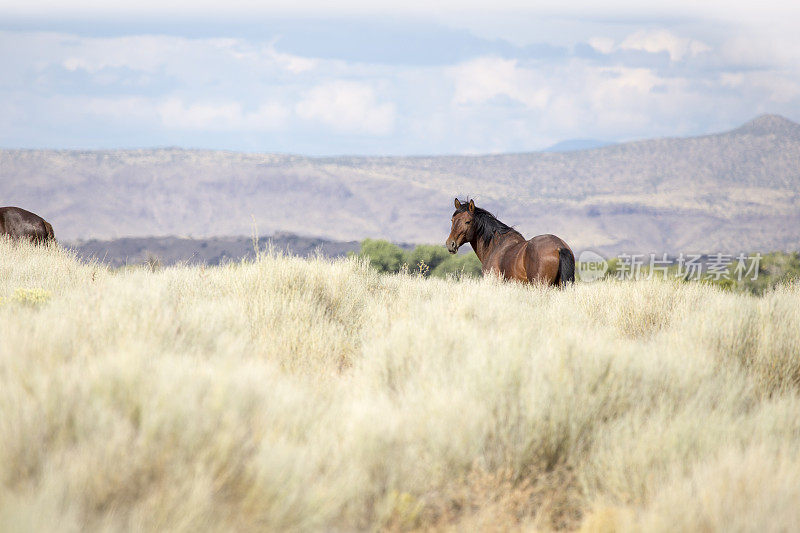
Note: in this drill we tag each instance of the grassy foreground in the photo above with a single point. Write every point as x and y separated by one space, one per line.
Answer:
288 394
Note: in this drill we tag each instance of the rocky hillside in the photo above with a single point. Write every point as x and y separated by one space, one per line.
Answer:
738 190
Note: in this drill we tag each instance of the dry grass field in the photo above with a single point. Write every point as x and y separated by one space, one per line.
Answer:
308 395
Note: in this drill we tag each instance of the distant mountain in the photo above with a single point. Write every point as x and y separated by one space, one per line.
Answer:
767 125
737 190
577 144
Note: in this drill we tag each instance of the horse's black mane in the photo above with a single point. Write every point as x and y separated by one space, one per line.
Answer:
486 224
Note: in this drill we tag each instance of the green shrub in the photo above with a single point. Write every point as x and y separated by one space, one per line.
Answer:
383 255
425 259
775 268
466 264
428 254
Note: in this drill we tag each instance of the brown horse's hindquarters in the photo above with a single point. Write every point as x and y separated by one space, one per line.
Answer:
20 224
34 231
549 260
50 233
542 266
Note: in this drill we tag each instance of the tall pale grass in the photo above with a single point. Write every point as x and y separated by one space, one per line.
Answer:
288 394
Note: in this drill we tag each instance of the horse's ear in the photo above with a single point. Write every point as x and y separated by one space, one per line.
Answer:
472 206
458 204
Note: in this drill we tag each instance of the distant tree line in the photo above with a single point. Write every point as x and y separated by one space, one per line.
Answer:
774 268
425 259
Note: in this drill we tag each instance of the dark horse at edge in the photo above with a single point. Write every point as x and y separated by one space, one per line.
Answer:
21 224
502 249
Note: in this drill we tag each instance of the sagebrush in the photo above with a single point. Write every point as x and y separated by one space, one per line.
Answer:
289 394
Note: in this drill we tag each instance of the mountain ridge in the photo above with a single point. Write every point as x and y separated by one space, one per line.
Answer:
769 125
734 190
572 145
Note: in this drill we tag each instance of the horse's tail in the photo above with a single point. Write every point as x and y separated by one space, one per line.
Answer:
566 266
51 236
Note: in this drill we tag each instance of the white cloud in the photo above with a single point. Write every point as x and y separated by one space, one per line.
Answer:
214 92
141 52
174 113
347 106
624 79
269 55
583 100
150 53
776 86
655 41
482 79
749 50
732 79
603 45
292 63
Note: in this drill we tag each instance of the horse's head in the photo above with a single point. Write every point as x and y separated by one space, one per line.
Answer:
463 229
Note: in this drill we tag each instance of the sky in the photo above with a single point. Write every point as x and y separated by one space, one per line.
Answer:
372 78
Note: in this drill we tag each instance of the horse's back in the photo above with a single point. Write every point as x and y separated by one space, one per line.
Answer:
21 224
547 241
544 257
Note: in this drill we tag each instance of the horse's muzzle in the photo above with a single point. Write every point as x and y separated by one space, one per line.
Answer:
451 247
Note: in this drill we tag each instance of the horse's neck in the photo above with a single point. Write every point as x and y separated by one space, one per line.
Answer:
483 250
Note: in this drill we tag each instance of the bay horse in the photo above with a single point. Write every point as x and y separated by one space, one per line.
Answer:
502 249
21 224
